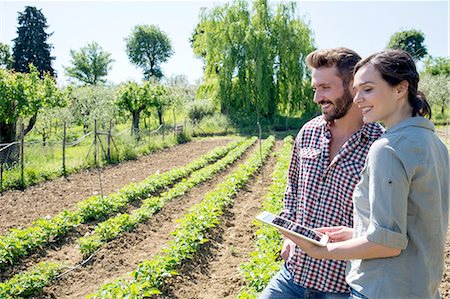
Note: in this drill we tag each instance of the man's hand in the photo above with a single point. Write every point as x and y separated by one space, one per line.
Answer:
288 249
337 233
309 248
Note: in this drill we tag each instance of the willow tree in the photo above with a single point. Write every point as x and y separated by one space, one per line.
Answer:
254 58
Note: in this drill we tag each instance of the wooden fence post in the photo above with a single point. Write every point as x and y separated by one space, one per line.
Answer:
95 142
162 118
174 125
22 178
108 155
64 151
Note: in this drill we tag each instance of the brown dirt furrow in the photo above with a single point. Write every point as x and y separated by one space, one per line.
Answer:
122 255
21 208
214 272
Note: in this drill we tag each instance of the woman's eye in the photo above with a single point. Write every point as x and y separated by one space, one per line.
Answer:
367 89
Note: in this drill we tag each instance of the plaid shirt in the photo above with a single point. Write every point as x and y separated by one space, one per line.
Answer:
319 193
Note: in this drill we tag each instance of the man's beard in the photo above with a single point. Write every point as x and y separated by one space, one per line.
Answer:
341 106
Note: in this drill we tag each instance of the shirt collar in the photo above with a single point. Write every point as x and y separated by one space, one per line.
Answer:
371 130
416 121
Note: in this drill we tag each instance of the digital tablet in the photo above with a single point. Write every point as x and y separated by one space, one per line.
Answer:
293 228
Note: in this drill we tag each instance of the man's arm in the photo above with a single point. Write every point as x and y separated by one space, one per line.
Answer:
291 192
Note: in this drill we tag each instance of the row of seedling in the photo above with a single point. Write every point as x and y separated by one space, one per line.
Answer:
265 260
191 233
20 242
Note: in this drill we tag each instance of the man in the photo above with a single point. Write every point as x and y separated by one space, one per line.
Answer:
328 156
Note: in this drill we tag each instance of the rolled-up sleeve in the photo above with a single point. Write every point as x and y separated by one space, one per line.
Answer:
388 197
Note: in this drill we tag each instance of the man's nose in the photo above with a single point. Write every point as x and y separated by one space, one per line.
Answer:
317 97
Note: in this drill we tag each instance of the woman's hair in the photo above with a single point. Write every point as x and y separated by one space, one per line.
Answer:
396 66
344 59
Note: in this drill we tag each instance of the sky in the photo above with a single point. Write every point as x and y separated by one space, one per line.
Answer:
364 26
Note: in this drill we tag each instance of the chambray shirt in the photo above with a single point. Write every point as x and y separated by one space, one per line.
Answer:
319 193
402 201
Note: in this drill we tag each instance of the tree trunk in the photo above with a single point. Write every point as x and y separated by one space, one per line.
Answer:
135 125
160 114
30 124
8 135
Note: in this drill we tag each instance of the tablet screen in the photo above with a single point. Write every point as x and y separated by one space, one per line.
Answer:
289 225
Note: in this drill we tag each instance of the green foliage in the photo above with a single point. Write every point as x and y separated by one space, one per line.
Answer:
135 99
188 237
264 261
437 91
6 60
25 95
90 65
89 103
199 109
30 46
147 48
30 282
437 66
254 58
410 41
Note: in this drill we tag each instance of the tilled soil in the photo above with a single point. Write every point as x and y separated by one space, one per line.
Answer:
21 208
212 273
122 255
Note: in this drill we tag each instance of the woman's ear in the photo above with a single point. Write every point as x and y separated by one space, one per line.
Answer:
402 88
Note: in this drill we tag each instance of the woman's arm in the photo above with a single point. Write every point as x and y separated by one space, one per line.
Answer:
358 248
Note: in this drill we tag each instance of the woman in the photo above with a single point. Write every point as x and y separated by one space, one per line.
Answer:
401 205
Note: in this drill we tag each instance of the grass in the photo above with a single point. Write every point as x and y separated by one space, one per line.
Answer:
42 163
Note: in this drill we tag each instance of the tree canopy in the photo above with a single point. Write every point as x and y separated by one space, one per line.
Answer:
136 98
90 65
6 60
410 41
437 66
30 46
148 47
254 58
23 96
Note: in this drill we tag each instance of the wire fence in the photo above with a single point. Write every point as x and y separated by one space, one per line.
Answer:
25 163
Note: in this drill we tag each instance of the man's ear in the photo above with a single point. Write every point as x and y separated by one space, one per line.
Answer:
402 88
351 89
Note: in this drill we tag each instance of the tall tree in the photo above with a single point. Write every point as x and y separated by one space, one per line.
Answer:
6 60
90 65
410 41
147 48
31 45
254 58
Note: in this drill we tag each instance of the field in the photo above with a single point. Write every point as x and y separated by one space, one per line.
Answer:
205 269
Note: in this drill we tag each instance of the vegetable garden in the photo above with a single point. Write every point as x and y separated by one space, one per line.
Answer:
178 223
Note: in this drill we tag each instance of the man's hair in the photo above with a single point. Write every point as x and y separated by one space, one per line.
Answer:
343 58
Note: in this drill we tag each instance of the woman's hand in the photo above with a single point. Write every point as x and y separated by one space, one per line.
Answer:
337 233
